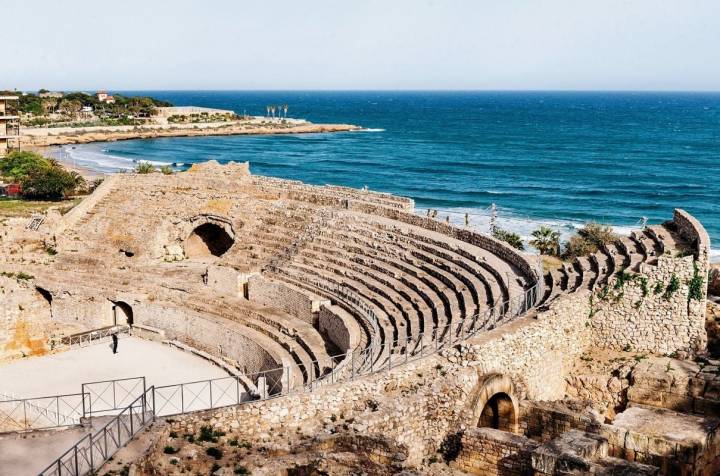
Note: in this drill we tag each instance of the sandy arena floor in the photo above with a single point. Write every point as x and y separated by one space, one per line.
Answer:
28 453
64 373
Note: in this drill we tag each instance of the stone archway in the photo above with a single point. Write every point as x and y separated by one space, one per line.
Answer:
208 239
122 313
497 406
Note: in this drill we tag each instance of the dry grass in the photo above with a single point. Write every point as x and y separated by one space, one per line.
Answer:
551 262
10 208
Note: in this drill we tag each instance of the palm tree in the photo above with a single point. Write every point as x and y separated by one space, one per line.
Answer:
546 241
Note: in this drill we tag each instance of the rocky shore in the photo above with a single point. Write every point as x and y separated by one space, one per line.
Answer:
40 137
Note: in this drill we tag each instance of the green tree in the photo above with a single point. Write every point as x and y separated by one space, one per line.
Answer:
546 241
19 164
513 239
53 183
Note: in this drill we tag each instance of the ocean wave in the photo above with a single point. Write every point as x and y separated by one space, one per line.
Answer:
714 256
370 129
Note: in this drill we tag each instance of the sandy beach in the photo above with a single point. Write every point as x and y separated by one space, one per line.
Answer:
40 137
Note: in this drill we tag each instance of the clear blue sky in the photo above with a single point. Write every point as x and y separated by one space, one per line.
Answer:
361 44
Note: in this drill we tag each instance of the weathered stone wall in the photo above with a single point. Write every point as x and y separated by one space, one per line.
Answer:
644 312
333 327
537 353
680 385
690 447
224 280
214 335
487 451
545 421
268 292
414 405
25 320
692 230
419 404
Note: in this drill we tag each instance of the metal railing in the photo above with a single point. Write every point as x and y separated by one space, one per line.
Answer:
227 391
111 395
89 454
86 338
96 398
93 450
20 414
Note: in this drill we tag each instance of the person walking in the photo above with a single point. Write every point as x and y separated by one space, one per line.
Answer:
114 343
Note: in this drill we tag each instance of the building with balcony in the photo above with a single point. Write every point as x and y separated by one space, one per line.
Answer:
9 124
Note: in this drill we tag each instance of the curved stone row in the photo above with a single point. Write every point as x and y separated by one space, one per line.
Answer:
381 277
628 253
414 281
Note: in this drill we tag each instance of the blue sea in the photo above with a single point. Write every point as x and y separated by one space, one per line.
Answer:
558 158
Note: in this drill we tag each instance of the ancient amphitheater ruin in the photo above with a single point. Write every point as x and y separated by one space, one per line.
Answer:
356 336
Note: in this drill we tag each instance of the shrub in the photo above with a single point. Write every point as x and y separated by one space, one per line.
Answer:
166 170
577 246
19 164
512 239
53 183
144 168
241 470
588 239
169 450
658 287
643 281
24 276
622 277
672 286
215 452
695 285
207 434
597 234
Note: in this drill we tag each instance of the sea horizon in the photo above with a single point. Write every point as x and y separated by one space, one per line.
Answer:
556 158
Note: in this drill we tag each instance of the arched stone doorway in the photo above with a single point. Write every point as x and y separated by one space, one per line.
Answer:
498 413
208 239
497 406
122 313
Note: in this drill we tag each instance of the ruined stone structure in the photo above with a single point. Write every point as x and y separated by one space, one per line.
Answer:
411 344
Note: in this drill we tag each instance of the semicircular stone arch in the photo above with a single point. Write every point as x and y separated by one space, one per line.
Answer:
210 236
497 406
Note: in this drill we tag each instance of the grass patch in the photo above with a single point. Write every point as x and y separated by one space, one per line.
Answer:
13 208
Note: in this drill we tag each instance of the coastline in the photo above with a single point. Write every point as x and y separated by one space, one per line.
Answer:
479 218
44 137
